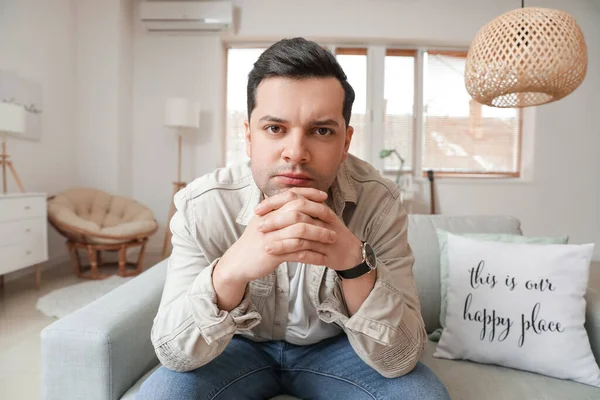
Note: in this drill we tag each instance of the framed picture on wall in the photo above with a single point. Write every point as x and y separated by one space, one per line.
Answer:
27 93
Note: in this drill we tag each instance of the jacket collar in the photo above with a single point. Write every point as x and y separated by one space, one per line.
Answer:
342 191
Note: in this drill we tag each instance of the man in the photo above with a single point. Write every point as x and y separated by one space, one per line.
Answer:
294 275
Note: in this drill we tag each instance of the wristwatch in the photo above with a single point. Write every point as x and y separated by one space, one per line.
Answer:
368 264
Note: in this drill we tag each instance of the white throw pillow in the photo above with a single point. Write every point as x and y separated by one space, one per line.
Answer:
520 306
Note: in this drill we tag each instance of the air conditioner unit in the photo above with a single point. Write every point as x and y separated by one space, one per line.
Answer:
187 16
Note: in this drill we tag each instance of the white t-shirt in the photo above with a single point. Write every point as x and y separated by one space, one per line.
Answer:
303 324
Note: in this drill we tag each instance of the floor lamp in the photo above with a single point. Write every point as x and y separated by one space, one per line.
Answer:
12 123
180 113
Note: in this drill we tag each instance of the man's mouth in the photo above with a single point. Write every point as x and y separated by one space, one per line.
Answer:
294 179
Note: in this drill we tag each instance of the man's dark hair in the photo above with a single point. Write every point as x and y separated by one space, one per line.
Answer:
298 58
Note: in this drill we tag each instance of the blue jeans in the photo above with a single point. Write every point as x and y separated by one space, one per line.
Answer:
328 370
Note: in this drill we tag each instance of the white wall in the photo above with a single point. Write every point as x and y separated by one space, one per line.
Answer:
125 106
173 66
37 41
104 60
562 196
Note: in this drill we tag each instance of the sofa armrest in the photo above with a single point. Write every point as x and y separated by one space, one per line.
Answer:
592 313
102 349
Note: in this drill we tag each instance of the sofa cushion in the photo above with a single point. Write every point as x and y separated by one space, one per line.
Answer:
467 380
130 394
422 237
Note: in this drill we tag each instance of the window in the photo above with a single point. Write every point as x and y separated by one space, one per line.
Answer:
413 101
399 96
459 134
239 65
354 64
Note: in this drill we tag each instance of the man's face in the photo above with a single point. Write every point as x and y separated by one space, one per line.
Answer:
297 135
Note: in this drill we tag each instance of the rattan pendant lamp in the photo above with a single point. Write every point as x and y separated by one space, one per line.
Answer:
526 57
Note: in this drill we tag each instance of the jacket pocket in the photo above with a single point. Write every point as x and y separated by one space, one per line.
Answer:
260 289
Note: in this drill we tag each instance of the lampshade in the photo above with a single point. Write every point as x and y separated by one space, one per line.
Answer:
526 57
12 119
182 113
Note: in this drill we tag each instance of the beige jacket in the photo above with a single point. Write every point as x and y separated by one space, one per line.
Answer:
189 330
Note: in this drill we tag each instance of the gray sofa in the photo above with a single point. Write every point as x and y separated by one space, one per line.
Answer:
103 350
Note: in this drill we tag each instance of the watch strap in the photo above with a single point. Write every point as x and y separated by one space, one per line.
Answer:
355 272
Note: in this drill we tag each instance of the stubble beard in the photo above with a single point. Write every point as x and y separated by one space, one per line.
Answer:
271 188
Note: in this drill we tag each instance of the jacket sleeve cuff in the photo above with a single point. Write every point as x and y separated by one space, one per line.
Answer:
212 322
377 322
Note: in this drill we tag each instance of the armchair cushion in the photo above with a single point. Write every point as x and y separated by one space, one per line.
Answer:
102 217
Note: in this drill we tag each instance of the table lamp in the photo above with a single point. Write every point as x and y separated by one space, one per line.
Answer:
12 123
180 113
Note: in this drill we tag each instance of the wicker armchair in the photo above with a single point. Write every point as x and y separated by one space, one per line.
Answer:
96 221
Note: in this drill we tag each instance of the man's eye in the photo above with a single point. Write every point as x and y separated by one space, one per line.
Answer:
324 131
274 128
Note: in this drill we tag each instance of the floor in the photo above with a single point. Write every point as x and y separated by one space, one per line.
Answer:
20 327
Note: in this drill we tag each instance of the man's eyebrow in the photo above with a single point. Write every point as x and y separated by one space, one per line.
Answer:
273 119
325 122
318 122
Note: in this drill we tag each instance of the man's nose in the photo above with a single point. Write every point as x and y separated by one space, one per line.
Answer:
295 150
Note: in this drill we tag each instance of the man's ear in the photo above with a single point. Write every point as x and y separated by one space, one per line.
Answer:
349 133
247 136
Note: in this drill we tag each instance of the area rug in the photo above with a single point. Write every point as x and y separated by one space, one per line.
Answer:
61 302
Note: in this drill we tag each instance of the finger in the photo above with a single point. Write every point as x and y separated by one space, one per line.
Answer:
302 231
310 193
281 218
294 245
313 209
305 256
279 200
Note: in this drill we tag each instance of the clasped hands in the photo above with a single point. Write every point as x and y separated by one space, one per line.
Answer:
296 226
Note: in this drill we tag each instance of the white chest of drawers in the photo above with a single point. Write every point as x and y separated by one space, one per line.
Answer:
23 232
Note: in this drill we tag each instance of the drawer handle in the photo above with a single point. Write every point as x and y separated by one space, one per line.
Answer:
27 230
28 252
27 208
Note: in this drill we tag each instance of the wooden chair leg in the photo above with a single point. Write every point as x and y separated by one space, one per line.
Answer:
93 263
75 260
140 261
122 260
99 257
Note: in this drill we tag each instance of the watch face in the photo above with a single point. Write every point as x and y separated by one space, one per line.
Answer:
369 255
